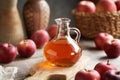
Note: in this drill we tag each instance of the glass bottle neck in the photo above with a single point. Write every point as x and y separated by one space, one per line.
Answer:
63 27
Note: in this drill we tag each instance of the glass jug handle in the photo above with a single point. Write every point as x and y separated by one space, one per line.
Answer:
77 31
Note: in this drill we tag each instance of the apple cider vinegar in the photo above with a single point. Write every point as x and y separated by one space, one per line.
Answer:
63 50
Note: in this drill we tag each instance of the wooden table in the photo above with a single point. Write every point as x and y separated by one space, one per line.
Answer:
88 49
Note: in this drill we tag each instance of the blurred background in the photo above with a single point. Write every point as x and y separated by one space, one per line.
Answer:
59 8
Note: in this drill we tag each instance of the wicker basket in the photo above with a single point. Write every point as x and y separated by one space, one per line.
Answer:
92 24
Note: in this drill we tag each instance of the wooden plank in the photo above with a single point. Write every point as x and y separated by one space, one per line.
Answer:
42 70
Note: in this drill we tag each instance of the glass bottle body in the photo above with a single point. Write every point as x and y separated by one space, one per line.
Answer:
62 50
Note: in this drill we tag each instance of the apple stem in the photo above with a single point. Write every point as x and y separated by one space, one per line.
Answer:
85 69
118 73
108 62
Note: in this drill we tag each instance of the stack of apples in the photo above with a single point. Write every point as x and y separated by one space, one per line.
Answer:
101 6
111 45
101 71
108 43
8 52
26 48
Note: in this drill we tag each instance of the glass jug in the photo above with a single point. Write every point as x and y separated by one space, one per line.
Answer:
63 50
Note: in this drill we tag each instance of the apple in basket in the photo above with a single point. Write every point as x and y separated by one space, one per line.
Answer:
118 4
86 6
106 6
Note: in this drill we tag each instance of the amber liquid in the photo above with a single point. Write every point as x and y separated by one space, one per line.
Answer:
62 52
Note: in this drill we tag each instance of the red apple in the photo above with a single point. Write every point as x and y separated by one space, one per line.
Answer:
52 30
41 38
111 75
118 4
26 48
106 6
86 6
102 38
8 53
112 48
102 67
87 75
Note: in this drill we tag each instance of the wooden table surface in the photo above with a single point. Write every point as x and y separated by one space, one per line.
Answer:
89 50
